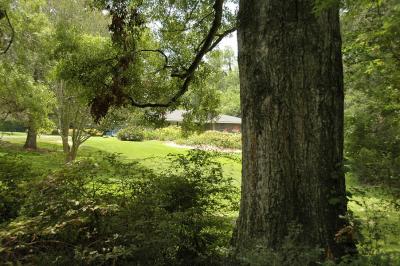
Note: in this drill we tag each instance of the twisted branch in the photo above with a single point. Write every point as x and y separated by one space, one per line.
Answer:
187 76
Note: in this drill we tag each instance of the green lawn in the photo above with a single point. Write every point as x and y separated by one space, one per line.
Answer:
151 153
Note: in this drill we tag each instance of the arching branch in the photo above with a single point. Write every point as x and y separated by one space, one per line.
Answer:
207 45
114 94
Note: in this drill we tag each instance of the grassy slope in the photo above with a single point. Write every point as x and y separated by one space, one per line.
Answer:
153 154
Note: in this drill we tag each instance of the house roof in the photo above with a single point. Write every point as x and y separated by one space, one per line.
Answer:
177 116
228 119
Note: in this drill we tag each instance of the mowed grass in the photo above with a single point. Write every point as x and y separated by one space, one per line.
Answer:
153 154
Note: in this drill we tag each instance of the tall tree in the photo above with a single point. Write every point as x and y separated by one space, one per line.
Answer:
23 68
291 82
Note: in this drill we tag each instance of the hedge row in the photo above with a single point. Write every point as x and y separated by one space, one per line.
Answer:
214 138
174 133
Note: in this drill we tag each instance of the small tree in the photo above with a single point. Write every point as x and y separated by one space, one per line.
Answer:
74 120
23 100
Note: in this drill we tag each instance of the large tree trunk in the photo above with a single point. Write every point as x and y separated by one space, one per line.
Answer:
292 122
31 138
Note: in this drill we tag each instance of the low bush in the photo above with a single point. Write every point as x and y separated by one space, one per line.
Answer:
131 134
170 133
115 213
174 133
214 138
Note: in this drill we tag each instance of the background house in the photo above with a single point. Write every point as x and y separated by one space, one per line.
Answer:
220 123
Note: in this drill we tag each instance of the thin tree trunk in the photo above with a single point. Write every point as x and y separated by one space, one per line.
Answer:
292 124
65 143
64 133
31 139
72 153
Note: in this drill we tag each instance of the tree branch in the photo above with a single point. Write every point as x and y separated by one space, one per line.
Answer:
187 77
4 13
221 37
166 64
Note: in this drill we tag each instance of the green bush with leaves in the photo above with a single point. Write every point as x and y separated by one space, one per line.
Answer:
174 133
214 138
115 213
170 133
131 134
372 82
373 142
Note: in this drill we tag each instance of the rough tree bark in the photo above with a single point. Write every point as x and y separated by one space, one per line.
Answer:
31 137
291 82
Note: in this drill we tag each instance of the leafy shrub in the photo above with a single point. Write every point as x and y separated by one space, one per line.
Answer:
374 231
214 138
110 212
131 134
164 134
373 140
207 138
13 171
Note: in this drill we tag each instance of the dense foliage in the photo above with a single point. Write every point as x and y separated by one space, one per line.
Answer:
131 134
24 97
107 211
372 75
